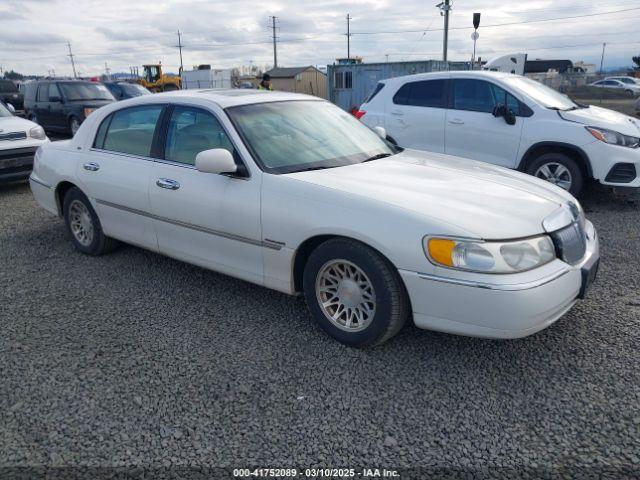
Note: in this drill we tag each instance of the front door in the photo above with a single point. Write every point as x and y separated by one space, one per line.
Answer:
416 113
206 219
471 129
115 174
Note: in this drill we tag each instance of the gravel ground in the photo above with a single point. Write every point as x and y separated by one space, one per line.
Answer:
134 359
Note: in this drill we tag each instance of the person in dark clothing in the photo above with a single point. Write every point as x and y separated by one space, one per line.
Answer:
265 84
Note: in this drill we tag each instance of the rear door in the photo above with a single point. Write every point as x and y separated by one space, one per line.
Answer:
116 172
472 131
416 115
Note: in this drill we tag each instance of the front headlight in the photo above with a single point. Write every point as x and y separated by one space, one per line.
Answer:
490 257
614 138
38 133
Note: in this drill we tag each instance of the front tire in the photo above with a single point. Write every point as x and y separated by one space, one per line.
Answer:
559 169
354 294
83 226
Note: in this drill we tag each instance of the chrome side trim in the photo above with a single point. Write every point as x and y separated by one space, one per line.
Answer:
39 182
495 286
231 236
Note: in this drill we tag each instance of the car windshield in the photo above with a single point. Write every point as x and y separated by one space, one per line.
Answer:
293 136
4 111
542 94
134 89
85 91
7 86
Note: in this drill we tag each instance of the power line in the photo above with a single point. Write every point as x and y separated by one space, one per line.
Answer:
504 24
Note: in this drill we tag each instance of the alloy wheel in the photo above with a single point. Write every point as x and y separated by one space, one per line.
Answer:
81 223
75 125
555 173
346 295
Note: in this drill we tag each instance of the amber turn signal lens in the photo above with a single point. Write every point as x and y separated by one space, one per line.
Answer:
441 250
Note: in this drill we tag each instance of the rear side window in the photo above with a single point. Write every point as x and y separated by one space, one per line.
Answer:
427 93
7 86
129 131
53 91
375 92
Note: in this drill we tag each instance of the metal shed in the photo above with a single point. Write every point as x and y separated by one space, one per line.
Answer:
307 80
349 85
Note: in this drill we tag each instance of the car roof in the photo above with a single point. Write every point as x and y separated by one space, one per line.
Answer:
223 97
451 74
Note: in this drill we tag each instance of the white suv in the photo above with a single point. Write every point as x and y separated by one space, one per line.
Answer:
508 120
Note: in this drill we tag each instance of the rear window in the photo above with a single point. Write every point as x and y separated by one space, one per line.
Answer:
375 92
427 93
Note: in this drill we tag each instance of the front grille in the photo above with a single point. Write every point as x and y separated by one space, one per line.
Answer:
13 136
621 173
570 243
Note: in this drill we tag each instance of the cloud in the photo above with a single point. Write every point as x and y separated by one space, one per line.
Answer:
125 33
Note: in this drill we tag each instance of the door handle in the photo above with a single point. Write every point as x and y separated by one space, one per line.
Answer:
91 166
168 184
456 121
397 113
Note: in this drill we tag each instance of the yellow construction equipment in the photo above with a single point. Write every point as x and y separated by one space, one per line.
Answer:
154 80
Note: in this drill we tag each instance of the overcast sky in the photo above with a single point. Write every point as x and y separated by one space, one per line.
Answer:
33 33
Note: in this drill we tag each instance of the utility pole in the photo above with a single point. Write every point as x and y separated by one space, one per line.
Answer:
445 7
602 58
348 36
73 64
180 48
107 71
275 47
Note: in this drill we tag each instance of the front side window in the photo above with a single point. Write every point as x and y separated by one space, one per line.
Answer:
427 93
192 131
129 131
53 92
291 136
43 92
474 95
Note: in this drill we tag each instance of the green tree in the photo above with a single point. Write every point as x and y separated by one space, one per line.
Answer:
11 75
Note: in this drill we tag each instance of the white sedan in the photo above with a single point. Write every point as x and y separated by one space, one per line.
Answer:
290 192
19 139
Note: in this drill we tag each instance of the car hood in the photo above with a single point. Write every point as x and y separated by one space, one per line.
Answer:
15 124
604 118
485 201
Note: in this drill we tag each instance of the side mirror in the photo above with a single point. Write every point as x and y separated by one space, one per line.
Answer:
216 160
55 99
503 111
381 132
11 108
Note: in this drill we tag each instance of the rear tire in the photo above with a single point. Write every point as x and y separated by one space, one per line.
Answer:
83 225
354 294
559 169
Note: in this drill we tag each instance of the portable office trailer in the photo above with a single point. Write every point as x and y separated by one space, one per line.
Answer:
349 85
209 78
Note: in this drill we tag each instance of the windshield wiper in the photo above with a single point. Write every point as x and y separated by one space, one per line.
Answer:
377 156
310 169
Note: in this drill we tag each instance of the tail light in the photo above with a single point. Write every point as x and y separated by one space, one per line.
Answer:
359 114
